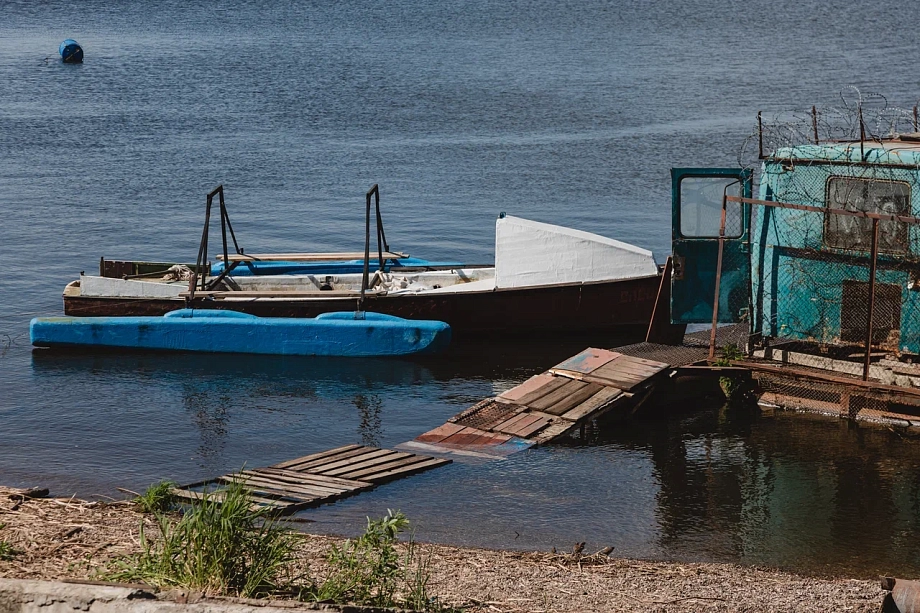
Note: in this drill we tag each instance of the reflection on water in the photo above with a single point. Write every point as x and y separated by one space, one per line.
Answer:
369 408
791 490
687 483
475 108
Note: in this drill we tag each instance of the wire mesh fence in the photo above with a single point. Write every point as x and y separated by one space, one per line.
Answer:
821 269
836 276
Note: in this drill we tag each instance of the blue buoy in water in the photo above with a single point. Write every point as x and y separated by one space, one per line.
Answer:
71 52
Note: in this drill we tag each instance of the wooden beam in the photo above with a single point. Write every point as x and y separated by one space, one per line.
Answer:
315 456
308 257
828 378
316 293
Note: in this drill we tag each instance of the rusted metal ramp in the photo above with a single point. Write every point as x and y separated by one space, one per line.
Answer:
547 406
288 487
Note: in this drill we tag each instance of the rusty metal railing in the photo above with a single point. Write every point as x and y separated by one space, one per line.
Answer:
382 245
201 262
855 256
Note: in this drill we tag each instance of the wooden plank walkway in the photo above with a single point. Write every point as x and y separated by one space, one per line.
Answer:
544 408
547 406
288 487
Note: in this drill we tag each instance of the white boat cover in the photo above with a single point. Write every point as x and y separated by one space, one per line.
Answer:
529 253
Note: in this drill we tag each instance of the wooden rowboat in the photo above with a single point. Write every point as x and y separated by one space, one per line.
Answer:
545 279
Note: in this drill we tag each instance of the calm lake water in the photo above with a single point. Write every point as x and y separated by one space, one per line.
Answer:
568 113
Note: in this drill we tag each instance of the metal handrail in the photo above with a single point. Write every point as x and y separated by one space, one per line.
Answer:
201 260
818 209
382 245
873 259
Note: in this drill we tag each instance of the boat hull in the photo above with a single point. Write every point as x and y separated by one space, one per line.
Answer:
331 334
621 305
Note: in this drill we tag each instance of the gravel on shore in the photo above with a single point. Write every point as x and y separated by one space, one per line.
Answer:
66 538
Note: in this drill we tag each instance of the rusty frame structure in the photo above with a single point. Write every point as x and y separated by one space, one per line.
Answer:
873 259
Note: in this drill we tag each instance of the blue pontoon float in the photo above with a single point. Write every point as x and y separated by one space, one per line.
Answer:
346 334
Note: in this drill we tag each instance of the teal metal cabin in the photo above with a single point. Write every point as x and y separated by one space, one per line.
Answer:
797 262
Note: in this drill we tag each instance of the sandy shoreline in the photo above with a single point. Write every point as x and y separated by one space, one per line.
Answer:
71 539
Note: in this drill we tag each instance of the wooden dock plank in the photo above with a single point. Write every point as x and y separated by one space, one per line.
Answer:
465 437
553 431
440 433
486 439
524 425
588 360
305 488
592 404
531 385
320 467
574 399
622 382
315 456
548 385
296 484
620 368
591 378
413 469
218 495
571 386
513 422
369 474
299 494
630 365
366 461
526 431
310 479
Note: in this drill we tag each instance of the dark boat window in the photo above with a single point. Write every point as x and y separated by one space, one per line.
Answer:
701 207
869 196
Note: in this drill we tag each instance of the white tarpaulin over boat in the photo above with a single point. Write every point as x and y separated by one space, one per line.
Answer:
531 253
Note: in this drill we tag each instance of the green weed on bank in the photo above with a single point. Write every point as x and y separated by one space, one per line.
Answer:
158 498
7 551
224 545
221 545
370 570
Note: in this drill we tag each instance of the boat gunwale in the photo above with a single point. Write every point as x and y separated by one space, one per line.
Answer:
378 294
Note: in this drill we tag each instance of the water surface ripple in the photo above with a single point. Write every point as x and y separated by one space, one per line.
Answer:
567 113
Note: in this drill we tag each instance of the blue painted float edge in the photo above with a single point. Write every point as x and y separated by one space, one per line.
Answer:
374 336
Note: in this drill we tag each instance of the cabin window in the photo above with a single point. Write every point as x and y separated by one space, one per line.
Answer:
869 196
701 207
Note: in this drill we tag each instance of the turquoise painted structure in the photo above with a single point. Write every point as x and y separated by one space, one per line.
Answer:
802 274
802 263
248 269
696 201
346 334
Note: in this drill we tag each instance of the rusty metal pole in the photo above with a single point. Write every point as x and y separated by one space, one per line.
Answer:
367 248
814 122
873 265
916 128
862 136
715 301
760 135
